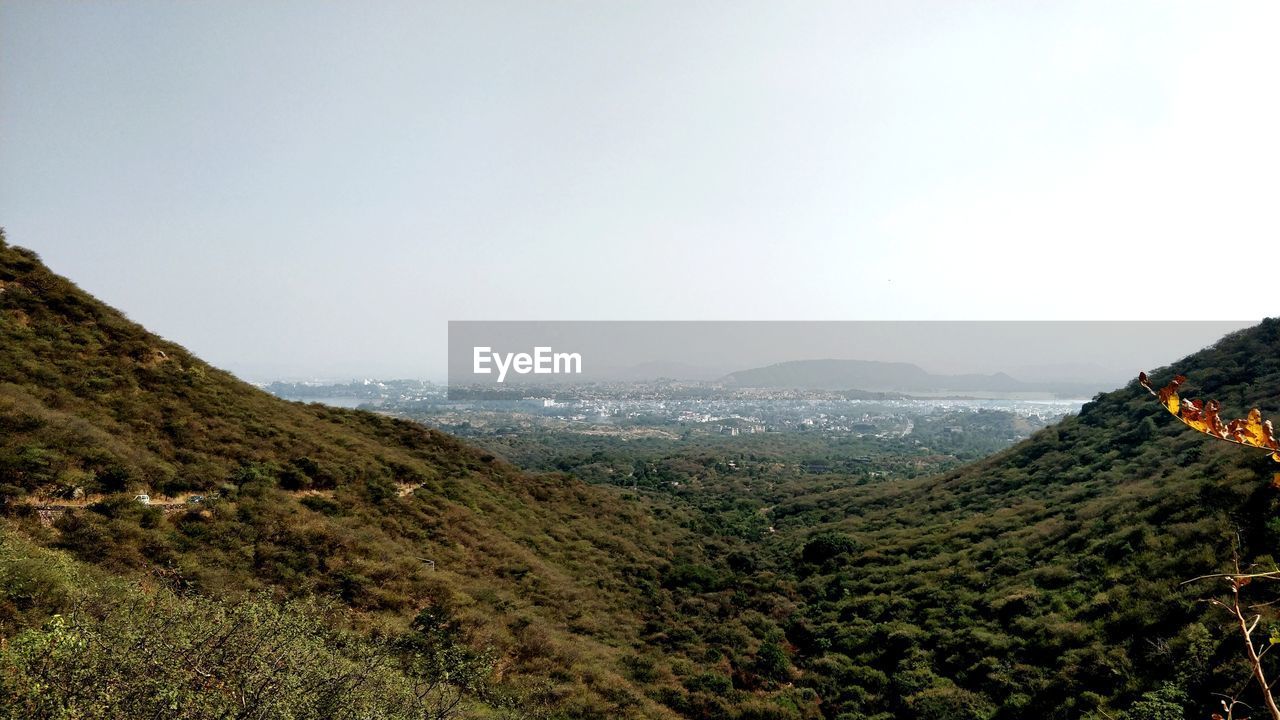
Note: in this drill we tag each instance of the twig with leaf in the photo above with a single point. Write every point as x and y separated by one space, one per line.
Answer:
1250 431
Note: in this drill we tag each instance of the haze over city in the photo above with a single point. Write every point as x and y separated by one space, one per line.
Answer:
297 189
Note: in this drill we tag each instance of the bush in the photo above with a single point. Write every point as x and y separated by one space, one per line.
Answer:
827 545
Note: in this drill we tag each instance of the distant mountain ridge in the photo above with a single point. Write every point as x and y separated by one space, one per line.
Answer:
880 376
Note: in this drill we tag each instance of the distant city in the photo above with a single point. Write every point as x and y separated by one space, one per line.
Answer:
671 408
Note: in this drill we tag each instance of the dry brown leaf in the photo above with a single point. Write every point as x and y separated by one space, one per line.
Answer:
1251 430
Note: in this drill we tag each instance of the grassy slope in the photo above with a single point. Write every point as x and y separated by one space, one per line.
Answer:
1040 582
555 573
1046 578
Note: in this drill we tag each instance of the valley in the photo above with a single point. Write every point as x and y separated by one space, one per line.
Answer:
517 568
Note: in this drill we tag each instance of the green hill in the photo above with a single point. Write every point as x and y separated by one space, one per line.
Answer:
555 578
1044 581
342 562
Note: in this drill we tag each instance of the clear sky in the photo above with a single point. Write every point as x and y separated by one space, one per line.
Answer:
310 188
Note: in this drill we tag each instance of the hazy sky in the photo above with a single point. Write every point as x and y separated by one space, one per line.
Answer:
315 188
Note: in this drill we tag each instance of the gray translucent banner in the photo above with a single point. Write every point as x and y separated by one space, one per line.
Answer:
990 359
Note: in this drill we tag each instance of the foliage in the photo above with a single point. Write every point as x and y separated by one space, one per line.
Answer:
128 650
1250 430
1044 581
547 579
759 577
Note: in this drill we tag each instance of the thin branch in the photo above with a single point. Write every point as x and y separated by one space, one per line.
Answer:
1269 575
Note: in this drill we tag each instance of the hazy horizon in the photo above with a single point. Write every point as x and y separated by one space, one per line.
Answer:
301 189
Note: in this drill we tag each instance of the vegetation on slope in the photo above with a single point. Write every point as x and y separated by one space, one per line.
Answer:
102 647
1041 582
556 579
1045 580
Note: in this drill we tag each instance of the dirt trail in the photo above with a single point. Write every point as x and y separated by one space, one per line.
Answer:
50 509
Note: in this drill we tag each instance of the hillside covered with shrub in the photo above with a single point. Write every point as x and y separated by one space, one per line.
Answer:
551 578
1048 580
430 578
1042 581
